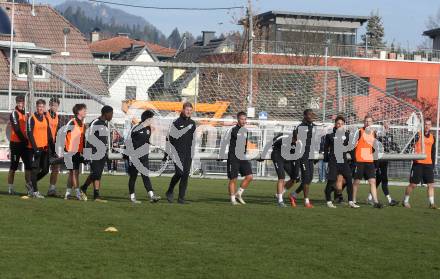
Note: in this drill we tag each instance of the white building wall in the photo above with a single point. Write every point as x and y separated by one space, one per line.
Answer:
141 77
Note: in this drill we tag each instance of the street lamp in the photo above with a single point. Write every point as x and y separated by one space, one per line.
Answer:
11 56
324 102
65 54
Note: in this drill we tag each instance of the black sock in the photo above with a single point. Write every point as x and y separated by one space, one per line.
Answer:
96 193
84 188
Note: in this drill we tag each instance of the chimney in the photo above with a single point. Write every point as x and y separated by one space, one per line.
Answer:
94 36
126 35
207 36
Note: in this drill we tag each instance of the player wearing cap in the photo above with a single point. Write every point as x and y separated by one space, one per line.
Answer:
140 135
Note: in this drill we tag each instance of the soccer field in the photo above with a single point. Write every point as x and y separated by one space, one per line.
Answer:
209 238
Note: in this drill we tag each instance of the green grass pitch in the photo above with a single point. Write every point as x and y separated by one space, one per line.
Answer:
209 238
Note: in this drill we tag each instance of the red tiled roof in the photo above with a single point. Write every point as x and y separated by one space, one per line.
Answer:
160 50
114 45
45 30
117 44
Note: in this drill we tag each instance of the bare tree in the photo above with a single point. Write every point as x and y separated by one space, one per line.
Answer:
433 20
432 23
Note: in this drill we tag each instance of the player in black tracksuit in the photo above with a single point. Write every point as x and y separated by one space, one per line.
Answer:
388 144
140 135
99 128
339 172
305 163
283 166
181 138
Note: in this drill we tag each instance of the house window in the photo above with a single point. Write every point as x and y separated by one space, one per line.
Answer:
130 92
168 78
405 88
23 70
356 87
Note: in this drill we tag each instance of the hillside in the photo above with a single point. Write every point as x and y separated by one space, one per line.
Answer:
87 16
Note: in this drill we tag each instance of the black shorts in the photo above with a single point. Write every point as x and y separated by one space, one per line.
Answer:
97 167
335 169
18 150
422 173
306 167
364 170
283 166
77 159
237 166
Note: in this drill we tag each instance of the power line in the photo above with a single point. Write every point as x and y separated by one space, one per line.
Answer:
167 8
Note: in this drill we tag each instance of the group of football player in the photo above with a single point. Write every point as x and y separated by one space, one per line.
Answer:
35 140
358 161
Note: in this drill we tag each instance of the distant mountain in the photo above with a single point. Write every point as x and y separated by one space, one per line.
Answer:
87 16
107 14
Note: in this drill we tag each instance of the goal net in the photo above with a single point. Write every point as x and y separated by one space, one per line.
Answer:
273 95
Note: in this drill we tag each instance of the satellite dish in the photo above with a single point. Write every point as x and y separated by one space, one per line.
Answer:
5 22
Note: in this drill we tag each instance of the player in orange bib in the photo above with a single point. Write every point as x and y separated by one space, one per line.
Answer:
54 124
17 144
74 145
40 141
422 171
364 160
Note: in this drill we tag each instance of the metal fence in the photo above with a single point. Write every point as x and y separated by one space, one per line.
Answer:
275 98
353 51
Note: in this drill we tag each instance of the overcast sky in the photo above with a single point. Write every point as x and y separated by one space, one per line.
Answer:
404 20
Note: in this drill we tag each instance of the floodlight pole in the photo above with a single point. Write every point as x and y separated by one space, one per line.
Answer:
65 54
324 102
250 50
438 125
11 56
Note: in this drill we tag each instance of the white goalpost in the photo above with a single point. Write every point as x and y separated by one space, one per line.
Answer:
219 91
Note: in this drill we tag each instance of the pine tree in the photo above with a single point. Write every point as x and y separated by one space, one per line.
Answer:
375 31
174 39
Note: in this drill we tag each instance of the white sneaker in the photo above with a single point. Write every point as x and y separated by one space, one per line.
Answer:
239 198
155 198
353 205
37 195
234 203
11 191
67 195
331 205
78 196
135 201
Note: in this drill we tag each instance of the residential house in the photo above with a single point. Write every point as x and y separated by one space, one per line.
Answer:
179 83
39 32
434 34
109 48
131 82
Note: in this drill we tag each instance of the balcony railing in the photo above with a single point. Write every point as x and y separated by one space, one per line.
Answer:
355 51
